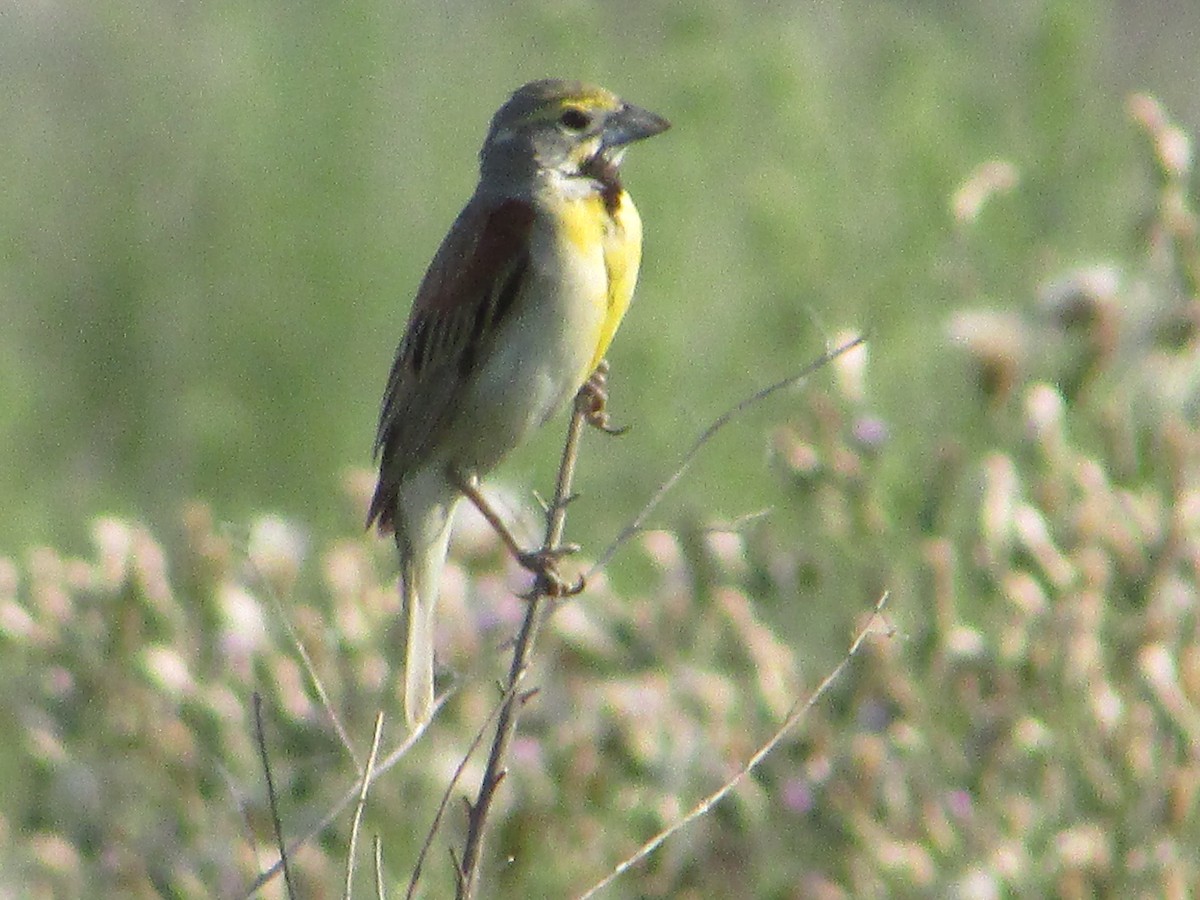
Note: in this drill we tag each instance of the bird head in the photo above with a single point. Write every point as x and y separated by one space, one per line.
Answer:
565 127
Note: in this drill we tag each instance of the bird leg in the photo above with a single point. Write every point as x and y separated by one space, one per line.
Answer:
543 563
592 401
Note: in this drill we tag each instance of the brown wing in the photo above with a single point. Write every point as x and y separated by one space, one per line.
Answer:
467 292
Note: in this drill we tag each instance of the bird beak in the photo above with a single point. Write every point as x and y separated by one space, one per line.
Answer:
631 123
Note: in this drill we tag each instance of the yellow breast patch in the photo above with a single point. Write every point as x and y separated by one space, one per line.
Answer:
589 224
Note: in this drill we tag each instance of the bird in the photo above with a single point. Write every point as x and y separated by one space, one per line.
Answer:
513 317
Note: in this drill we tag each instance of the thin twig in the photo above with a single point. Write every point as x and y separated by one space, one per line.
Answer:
740 523
271 799
798 711
468 869
319 686
446 794
361 805
707 435
309 669
350 797
523 645
378 847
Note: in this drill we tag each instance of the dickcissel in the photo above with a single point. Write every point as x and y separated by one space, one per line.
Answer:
513 316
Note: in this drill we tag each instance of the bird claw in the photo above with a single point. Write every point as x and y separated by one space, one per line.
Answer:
601 422
592 401
551 584
547 557
547 580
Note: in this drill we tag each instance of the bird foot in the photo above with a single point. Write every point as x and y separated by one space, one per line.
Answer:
548 582
592 401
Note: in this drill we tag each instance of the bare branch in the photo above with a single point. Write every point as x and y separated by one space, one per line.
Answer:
276 824
798 711
441 810
468 869
378 847
707 435
350 797
265 585
309 669
361 805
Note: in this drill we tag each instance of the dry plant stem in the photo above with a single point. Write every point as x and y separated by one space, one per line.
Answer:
378 848
468 871
351 796
468 876
362 803
446 794
311 671
707 435
276 824
798 711
557 512
307 662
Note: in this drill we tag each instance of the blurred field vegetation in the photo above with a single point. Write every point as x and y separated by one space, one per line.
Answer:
212 219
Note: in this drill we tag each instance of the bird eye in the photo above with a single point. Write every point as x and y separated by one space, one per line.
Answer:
575 119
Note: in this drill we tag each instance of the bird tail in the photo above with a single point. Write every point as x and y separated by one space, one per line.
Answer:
423 547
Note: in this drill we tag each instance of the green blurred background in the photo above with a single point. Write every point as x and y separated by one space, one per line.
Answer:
213 217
